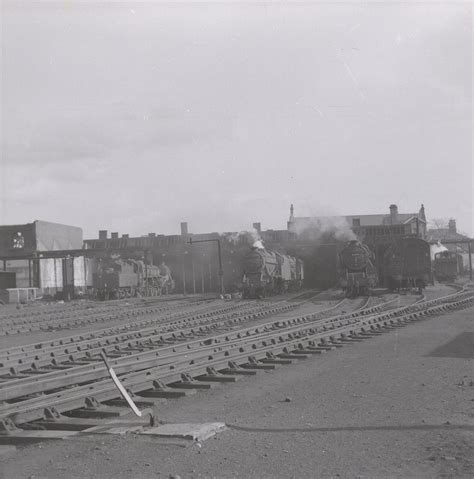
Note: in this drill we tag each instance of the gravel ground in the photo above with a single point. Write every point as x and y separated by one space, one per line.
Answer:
395 406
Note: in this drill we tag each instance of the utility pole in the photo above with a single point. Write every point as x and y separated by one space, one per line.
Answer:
221 271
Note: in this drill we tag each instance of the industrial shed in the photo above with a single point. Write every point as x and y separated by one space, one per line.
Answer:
22 249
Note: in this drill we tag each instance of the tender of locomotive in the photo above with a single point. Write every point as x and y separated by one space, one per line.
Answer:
266 272
447 265
407 264
118 278
357 273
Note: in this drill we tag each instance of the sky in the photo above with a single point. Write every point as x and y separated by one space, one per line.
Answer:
133 117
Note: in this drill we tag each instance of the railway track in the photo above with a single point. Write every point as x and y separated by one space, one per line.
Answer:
84 317
181 361
67 352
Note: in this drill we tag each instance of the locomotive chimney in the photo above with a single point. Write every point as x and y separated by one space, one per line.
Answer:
258 227
452 226
393 214
184 228
102 234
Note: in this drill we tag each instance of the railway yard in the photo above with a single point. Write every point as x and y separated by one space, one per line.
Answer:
382 404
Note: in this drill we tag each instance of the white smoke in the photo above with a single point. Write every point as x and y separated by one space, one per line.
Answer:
437 248
315 228
251 237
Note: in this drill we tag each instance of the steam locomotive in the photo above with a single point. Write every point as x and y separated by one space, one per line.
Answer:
118 278
407 264
357 273
266 272
447 265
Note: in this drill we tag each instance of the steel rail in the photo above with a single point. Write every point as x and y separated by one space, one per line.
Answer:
61 324
50 380
53 358
142 380
16 388
137 341
78 314
166 318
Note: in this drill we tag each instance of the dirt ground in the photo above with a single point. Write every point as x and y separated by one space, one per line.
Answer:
396 406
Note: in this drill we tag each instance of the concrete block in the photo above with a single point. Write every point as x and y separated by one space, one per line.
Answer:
191 432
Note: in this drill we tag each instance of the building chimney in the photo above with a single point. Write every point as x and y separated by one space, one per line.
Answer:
102 234
258 227
421 213
452 226
393 214
151 235
292 213
126 236
184 229
114 235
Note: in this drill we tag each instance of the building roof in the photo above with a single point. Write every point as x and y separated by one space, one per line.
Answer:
441 234
365 220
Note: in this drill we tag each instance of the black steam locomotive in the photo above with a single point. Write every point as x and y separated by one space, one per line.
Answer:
266 272
357 273
118 278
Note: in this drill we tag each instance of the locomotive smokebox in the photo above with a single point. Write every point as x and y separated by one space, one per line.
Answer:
355 256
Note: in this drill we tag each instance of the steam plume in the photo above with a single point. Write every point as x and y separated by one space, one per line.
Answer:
316 229
437 248
251 237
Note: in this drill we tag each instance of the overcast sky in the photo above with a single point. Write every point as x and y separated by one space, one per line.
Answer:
132 117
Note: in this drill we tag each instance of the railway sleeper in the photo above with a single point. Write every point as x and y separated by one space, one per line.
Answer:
214 376
272 359
53 420
188 382
254 364
287 354
300 349
161 390
95 410
234 368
